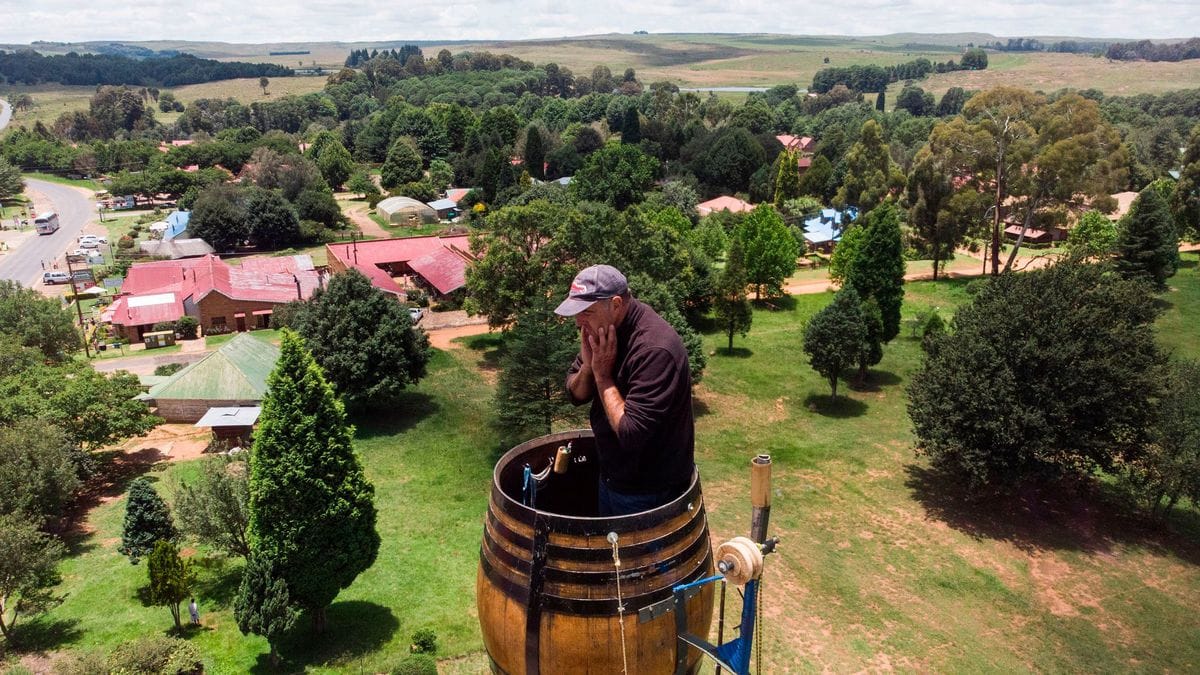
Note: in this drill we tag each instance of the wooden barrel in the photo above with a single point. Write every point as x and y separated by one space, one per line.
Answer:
546 590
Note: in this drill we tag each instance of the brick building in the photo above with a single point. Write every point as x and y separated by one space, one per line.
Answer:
220 296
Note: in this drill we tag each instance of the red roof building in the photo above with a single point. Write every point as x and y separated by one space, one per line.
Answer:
218 295
800 143
723 203
438 264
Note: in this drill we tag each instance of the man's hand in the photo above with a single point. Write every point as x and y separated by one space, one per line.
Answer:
603 348
581 385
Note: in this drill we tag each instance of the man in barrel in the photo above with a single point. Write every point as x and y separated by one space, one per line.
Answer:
633 368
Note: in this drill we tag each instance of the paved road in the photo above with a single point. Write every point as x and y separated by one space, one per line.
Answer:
74 210
145 365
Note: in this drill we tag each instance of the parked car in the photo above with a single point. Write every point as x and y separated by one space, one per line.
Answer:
92 241
50 278
415 313
91 255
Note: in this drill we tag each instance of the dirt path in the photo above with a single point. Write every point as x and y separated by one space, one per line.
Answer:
369 228
441 337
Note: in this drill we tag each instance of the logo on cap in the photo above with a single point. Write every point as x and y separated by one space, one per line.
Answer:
578 288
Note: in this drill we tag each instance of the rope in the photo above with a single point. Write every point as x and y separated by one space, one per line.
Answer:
758 627
612 538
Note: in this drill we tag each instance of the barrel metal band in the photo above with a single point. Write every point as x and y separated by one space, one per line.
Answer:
579 606
537 580
581 554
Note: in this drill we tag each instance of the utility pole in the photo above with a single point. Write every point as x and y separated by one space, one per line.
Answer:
78 308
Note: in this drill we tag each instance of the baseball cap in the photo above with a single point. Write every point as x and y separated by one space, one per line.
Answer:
598 282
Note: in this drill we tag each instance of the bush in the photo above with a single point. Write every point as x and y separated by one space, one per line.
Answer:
424 641
164 325
135 228
416 664
418 297
125 242
156 654
168 369
187 327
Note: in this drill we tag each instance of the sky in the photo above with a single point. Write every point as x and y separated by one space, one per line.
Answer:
24 21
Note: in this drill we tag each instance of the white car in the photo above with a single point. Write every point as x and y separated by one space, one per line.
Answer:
415 313
92 241
89 253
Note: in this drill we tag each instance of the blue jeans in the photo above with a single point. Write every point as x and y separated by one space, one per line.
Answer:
613 503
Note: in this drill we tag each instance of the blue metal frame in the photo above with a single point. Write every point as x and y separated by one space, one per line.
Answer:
734 655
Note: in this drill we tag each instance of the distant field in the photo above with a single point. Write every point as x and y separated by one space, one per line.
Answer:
52 100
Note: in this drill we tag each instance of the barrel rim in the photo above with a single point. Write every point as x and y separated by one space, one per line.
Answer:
526 515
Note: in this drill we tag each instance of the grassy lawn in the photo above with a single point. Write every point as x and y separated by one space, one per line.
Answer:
51 178
266 335
877 570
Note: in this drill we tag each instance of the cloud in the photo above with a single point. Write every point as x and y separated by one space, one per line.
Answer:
337 20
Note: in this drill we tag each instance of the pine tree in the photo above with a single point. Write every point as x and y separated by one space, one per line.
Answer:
262 605
312 512
403 164
1148 247
734 314
834 337
877 271
631 126
530 395
881 101
535 154
872 346
147 521
787 179
170 577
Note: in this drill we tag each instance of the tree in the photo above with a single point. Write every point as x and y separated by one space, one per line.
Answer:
1047 373
818 181
11 183
40 469
28 559
312 512
403 164
846 252
535 154
170 578
631 126
335 164
1032 156
263 82
95 408
441 174
939 216
1170 469
524 253
870 174
263 605
733 311
952 102
360 183
974 59
916 101
726 159
618 175
147 521
364 341
219 217
834 337
877 271
871 351
34 320
530 395
1185 202
787 178
271 221
1094 236
1148 247
770 250
215 508
881 100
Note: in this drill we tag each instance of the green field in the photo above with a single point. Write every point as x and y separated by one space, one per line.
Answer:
878 569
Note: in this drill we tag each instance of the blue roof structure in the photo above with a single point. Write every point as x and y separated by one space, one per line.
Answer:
828 226
177 222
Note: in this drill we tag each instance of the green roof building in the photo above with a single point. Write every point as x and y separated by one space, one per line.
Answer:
234 375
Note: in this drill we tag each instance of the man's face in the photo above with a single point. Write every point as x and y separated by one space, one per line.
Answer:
601 313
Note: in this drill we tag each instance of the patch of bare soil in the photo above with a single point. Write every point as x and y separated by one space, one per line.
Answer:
442 338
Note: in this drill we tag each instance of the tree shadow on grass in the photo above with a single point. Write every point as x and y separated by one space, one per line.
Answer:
217 580
1085 515
876 381
783 303
839 408
355 628
736 353
409 409
115 470
39 634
